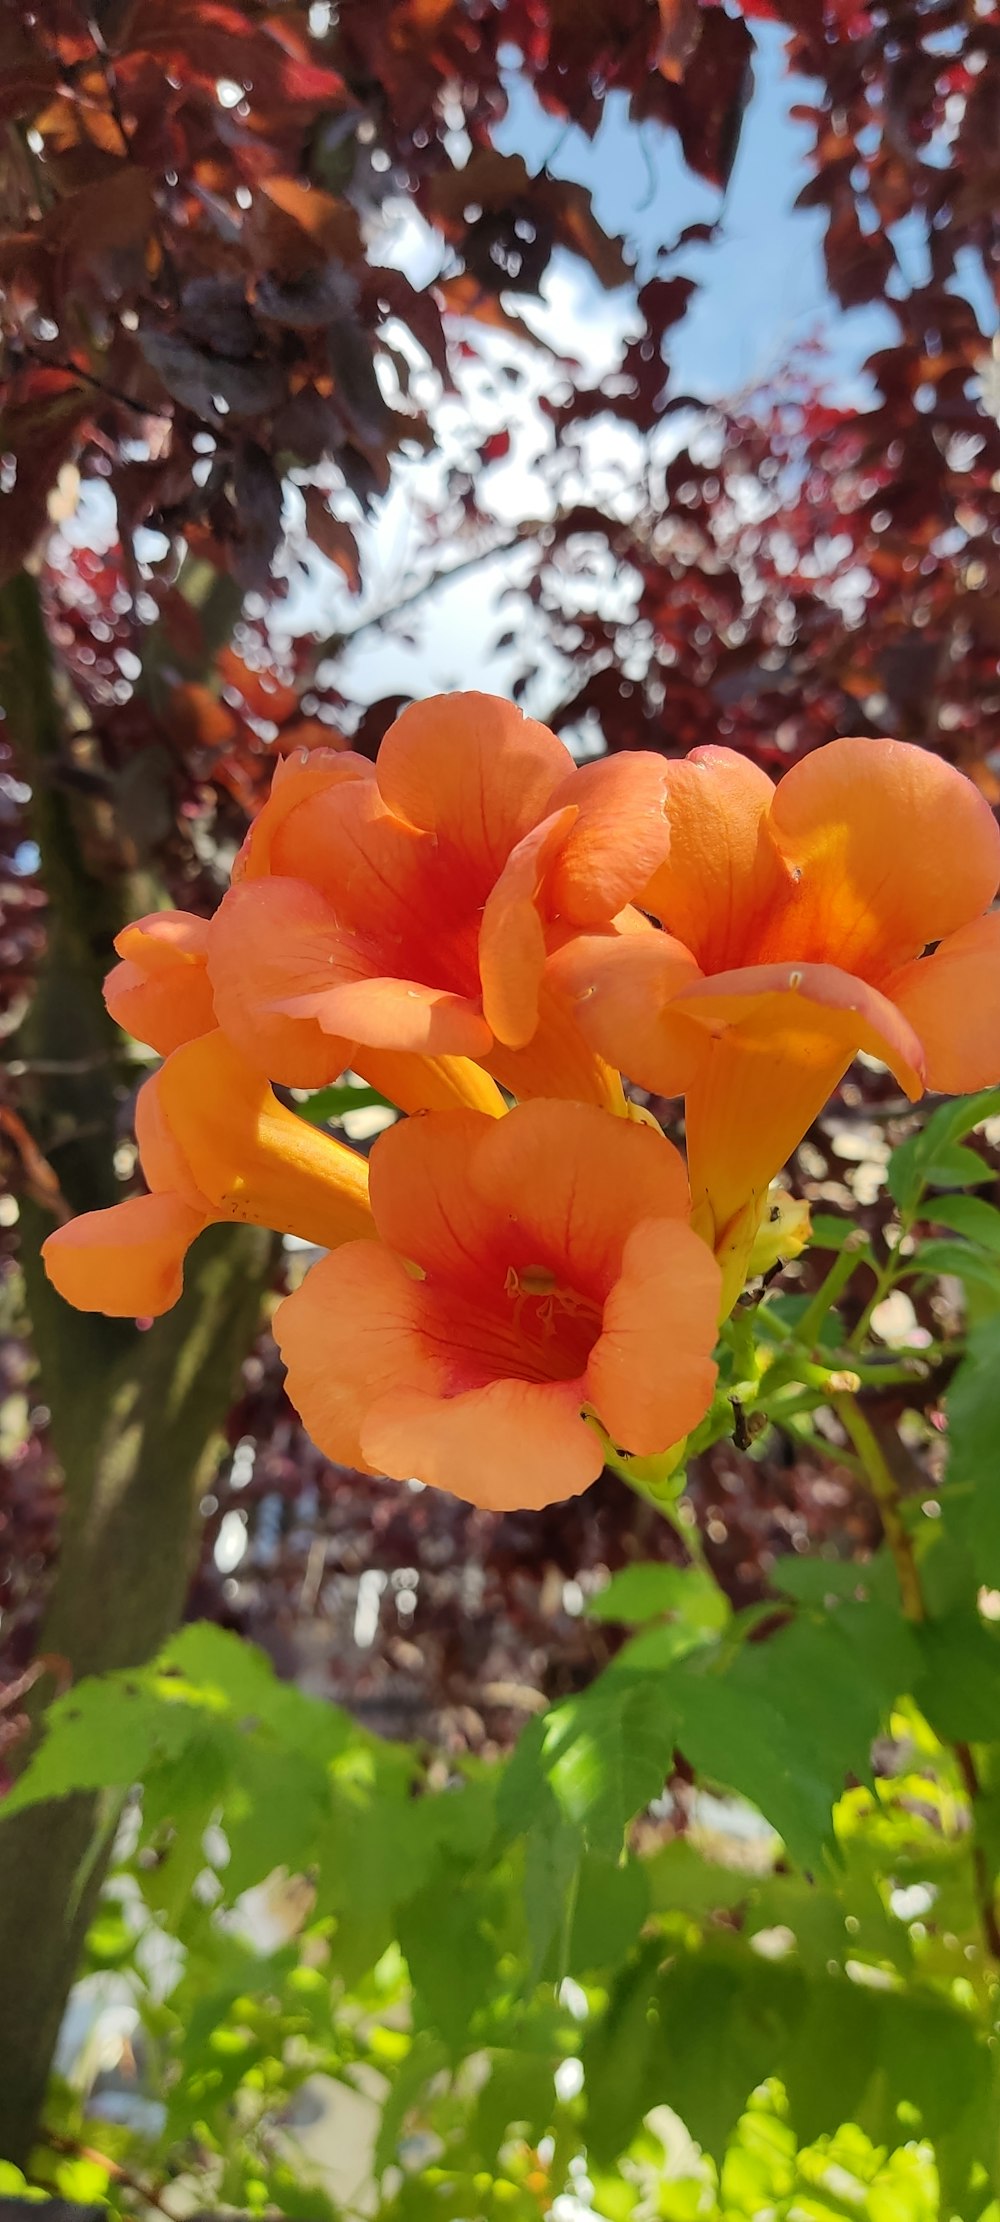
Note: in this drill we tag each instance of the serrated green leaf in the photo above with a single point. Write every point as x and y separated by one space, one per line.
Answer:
938 1257
934 1158
606 1754
102 1735
648 1592
970 1216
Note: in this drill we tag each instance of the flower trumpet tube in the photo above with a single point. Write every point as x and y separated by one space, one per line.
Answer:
161 994
797 925
531 1275
409 907
214 1144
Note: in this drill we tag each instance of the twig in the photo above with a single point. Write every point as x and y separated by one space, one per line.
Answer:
75 2151
885 1490
338 641
87 378
985 1894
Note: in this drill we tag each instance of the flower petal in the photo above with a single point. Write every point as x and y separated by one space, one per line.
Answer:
294 990
512 1445
512 935
299 782
619 988
651 1374
269 939
350 1332
251 1159
428 1083
815 999
475 772
619 838
160 993
558 1060
128 1261
952 1001
566 1185
425 1205
720 872
891 847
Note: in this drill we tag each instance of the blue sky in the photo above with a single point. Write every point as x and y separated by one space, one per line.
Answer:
762 284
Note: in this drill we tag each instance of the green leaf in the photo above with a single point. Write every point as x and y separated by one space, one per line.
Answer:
648 1592
958 1687
102 1735
959 1258
329 1104
682 1880
451 1958
606 1754
612 1902
830 1232
933 1158
970 1216
973 1406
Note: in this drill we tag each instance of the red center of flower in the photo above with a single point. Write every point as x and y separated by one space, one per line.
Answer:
555 1326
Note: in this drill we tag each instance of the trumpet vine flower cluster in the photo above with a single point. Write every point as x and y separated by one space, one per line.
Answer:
527 1276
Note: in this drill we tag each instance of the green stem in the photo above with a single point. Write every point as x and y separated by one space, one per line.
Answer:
885 1490
885 1281
829 1292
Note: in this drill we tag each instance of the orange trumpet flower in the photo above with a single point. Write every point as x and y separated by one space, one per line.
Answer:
530 1272
796 920
161 994
214 1144
409 907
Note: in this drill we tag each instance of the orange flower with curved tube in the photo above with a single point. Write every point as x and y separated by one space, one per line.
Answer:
796 924
409 907
214 1144
529 1272
161 994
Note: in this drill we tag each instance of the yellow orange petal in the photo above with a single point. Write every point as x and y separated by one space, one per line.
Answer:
471 769
559 1060
510 1445
891 848
160 993
512 935
952 1001
128 1261
620 989
349 1332
815 999
572 1183
298 784
285 976
429 1083
271 939
619 838
425 1205
650 1376
720 873
249 1157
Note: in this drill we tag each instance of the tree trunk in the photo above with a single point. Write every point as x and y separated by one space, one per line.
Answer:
135 1416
